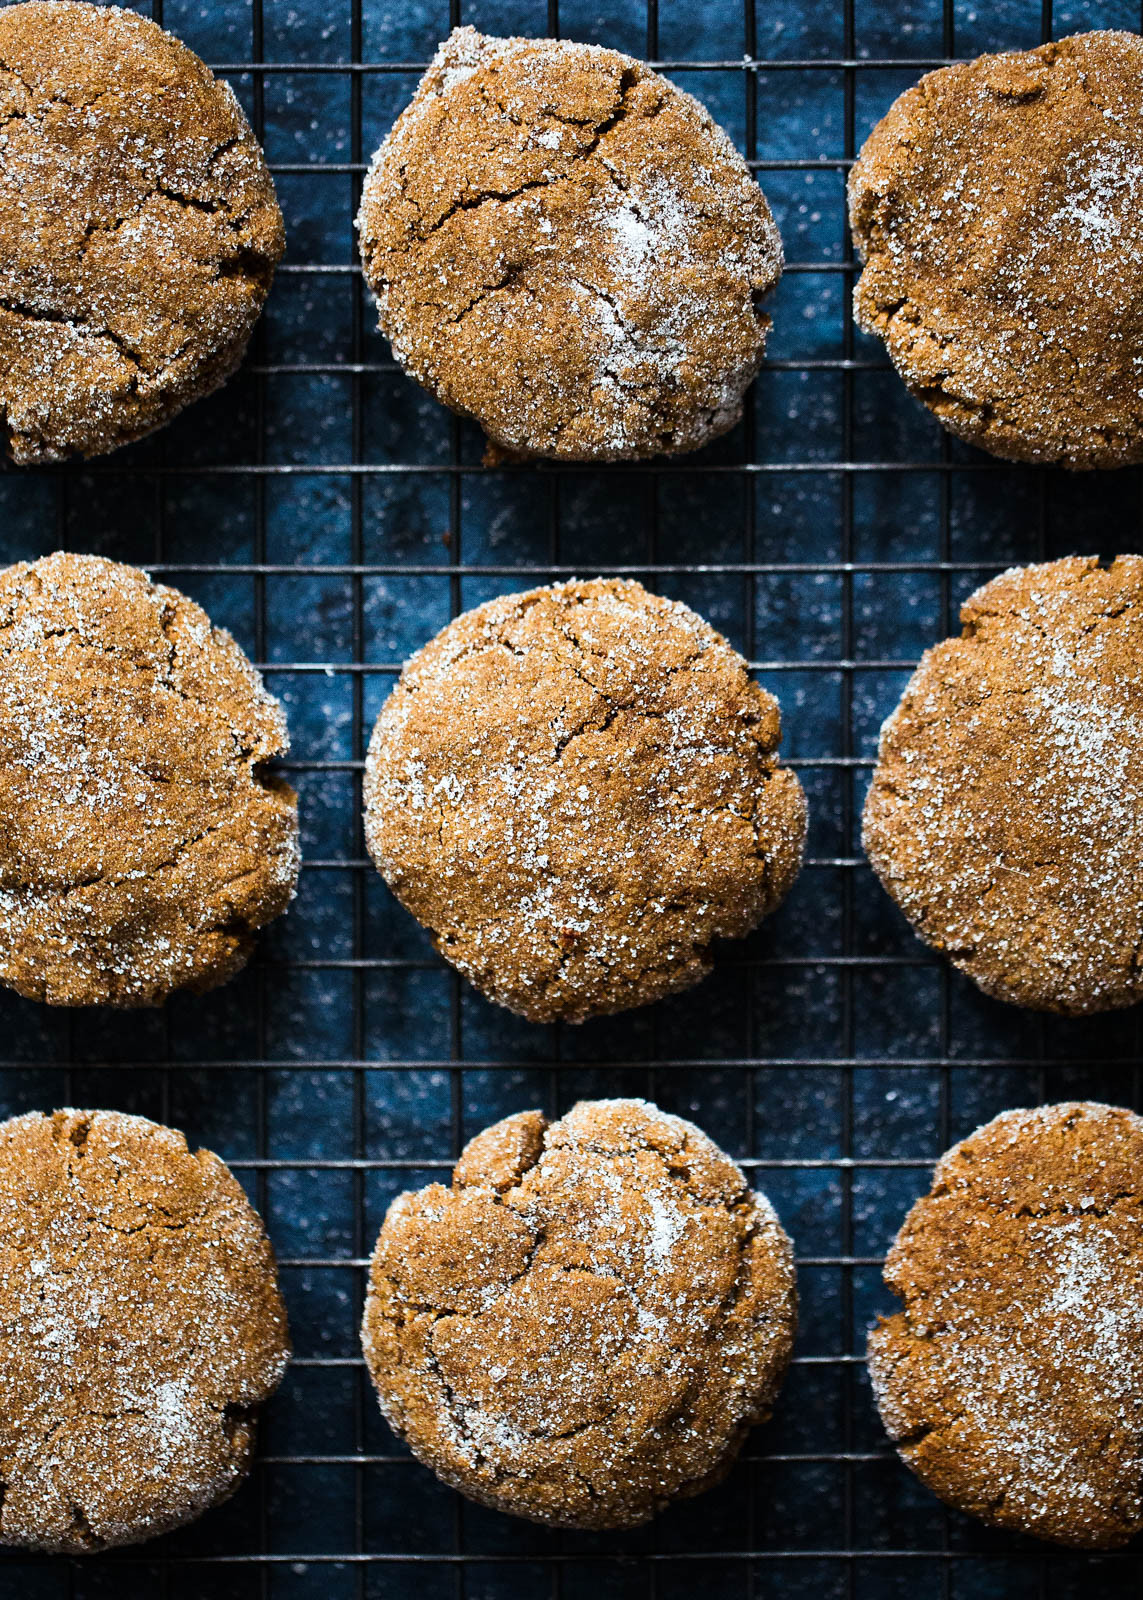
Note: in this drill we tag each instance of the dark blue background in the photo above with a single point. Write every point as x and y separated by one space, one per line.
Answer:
333 517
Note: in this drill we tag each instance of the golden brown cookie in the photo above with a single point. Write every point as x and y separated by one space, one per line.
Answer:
587 1323
140 1327
139 230
576 790
567 248
1006 812
1012 1381
141 840
998 208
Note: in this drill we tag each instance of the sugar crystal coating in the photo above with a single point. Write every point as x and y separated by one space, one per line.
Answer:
1005 815
138 229
141 840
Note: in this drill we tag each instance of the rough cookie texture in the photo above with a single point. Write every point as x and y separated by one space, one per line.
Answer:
999 210
140 1325
567 248
138 229
587 1323
141 843
1012 1381
1006 811
576 790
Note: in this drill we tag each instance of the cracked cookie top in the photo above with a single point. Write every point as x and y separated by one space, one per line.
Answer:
1012 1381
140 1327
584 1326
141 841
139 230
998 208
567 248
1006 811
576 790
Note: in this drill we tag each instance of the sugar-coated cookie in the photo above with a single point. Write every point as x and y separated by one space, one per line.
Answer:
585 1325
140 1328
566 247
1012 1379
576 790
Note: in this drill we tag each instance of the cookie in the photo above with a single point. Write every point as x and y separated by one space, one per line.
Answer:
139 230
141 840
998 208
567 248
586 1324
140 1327
1012 1381
576 790
1006 811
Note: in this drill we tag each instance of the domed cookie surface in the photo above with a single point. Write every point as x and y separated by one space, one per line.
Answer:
140 1325
1012 1380
1006 811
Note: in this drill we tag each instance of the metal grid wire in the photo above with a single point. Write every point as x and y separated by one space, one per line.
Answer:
832 537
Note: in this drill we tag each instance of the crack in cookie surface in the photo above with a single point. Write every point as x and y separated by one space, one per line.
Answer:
997 210
1004 813
140 1328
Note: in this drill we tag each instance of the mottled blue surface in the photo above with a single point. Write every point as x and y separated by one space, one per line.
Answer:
793 1056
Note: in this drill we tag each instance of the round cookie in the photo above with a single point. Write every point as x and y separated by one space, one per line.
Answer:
998 208
141 841
139 230
576 790
567 248
140 1327
1012 1381
1006 812
587 1323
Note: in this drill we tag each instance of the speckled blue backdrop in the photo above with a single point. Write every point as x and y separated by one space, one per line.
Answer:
333 517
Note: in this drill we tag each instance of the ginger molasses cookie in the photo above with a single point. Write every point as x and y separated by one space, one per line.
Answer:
576 790
586 1324
1012 1380
1006 812
141 840
139 230
567 248
140 1327
998 208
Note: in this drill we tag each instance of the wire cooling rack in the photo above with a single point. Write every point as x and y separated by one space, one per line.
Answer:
334 518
